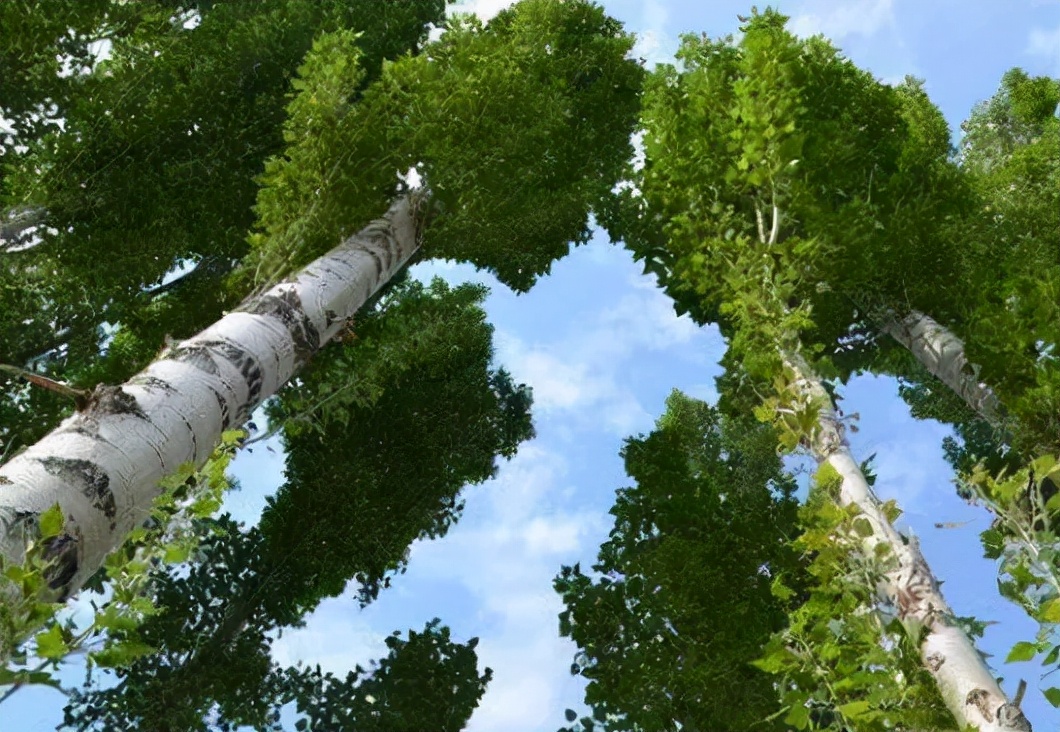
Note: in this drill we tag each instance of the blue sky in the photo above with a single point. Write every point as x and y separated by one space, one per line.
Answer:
602 349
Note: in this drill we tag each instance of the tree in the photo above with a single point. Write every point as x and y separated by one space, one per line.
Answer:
680 600
772 167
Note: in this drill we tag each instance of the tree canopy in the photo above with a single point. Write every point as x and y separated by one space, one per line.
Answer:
165 163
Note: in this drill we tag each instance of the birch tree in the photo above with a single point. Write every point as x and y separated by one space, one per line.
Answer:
749 207
517 128
371 467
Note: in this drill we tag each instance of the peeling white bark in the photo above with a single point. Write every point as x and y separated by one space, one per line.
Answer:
103 465
910 589
942 354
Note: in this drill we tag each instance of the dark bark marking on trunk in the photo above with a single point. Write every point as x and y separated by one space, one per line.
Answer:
115 400
24 521
87 427
248 369
62 551
330 316
191 431
376 259
196 355
90 480
204 355
223 404
287 309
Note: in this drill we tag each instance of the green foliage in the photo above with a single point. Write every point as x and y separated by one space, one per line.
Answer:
179 120
520 149
795 417
1023 108
517 129
680 600
425 683
337 171
788 194
404 416
22 611
41 39
773 170
1011 152
840 664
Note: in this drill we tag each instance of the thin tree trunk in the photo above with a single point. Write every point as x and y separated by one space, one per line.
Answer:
103 465
968 687
942 354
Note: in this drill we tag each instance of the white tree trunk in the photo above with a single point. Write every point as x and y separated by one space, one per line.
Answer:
15 222
910 589
103 464
942 354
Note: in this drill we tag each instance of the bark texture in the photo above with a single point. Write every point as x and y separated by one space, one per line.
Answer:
910 590
942 354
103 464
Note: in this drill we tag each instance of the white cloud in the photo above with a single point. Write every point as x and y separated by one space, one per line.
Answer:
543 537
336 635
557 384
582 372
653 43
840 20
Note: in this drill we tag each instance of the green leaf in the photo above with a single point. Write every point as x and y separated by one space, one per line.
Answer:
993 543
51 644
1053 695
1022 651
854 709
798 717
51 522
1050 611
121 654
863 526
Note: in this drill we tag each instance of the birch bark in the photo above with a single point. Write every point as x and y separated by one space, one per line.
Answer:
942 354
968 687
103 464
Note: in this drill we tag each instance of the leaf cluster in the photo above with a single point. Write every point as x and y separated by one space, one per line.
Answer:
518 128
